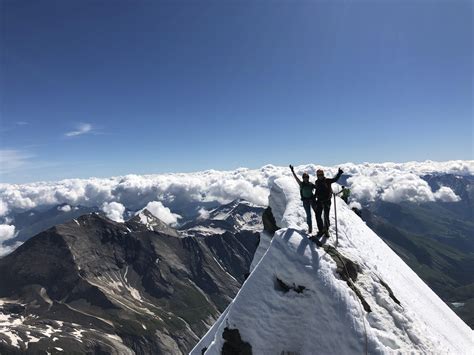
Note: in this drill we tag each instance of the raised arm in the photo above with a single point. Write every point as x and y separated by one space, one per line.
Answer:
338 175
296 177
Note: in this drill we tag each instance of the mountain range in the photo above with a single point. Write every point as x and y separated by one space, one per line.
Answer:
92 285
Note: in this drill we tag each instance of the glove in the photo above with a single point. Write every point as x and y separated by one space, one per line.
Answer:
291 167
340 171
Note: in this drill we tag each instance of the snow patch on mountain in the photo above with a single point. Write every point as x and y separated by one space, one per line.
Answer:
296 301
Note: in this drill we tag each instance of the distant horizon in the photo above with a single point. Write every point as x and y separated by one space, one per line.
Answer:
108 89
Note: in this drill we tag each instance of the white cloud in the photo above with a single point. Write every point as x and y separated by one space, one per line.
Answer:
388 181
363 188
3 208
203 214
114 211
7 249
6 232
65 208
395 185
162 212
446 194
406 187
82 128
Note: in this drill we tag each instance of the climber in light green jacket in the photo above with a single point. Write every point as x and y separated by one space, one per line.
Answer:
307 196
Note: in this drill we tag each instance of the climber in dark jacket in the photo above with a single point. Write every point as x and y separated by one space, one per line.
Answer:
307 196
323 199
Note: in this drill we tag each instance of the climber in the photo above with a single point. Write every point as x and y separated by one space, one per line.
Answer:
307 196
345 193
323 195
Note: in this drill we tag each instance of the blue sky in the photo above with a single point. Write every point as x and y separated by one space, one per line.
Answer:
103 88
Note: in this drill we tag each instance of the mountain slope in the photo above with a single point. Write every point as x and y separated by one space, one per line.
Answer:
94 285
360 298
435 241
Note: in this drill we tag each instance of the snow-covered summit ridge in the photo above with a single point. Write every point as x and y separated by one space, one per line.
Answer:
326 315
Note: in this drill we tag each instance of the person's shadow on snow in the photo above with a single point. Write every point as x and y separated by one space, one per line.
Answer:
288 233
305 243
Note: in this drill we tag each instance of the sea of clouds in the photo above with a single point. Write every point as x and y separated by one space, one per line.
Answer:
392 182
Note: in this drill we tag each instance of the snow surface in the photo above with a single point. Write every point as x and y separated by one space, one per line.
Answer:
327 317
147 221
203 230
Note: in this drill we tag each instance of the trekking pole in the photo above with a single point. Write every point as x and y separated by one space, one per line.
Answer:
335 218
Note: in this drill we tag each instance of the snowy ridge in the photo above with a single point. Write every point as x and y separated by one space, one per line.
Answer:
326 315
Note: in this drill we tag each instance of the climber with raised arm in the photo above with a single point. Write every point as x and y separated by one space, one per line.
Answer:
323 196
307 196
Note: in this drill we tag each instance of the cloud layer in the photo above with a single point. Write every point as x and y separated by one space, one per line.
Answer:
161 194
389 181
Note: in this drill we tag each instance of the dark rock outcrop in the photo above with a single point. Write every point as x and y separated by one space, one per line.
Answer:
234 345
269 223
280 285
348 271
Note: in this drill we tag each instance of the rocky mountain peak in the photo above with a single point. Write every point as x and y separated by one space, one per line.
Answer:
145 220
236 216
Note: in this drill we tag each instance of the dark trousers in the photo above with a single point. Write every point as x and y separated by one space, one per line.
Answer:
308 204
320 207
